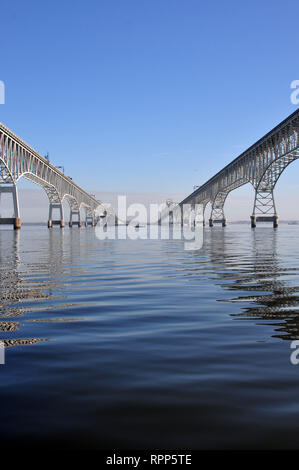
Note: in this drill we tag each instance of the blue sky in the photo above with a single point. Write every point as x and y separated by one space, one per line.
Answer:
151 96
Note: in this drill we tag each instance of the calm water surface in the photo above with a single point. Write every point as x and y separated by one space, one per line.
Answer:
141 344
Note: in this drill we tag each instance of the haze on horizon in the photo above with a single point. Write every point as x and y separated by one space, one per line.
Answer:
34 203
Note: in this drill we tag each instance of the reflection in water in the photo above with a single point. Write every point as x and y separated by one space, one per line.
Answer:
9 325
147 336
47 320
14 287
249 263
34 277
259 272
22 284
22 342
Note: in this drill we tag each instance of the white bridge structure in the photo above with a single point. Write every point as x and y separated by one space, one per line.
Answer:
261 165
18 160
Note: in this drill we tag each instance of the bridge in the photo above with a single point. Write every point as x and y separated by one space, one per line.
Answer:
17 160
261 165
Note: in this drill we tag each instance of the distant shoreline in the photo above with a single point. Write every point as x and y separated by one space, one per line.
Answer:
233 222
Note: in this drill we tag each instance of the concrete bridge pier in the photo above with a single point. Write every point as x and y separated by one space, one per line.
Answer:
273 218
253 221
89 221
75 222
59 221
15 220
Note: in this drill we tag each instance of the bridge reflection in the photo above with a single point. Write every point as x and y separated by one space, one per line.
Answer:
270 297
267 289
28 285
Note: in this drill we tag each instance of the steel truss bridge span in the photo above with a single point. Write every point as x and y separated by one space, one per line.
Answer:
261 165
18 159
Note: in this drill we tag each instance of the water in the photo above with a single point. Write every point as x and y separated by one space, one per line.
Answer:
141 344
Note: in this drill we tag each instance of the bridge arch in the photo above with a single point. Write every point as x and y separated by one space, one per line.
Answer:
72 201
89 214
55 199
238 203
51 191
264 204
217 212
74 206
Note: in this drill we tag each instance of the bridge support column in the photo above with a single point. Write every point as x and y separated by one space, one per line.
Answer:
217 221
75 222
15 220
264 209
259 218
89 221
89 217
253 221
51 221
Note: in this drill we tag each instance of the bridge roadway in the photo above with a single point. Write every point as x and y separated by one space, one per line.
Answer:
18 160
261 165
